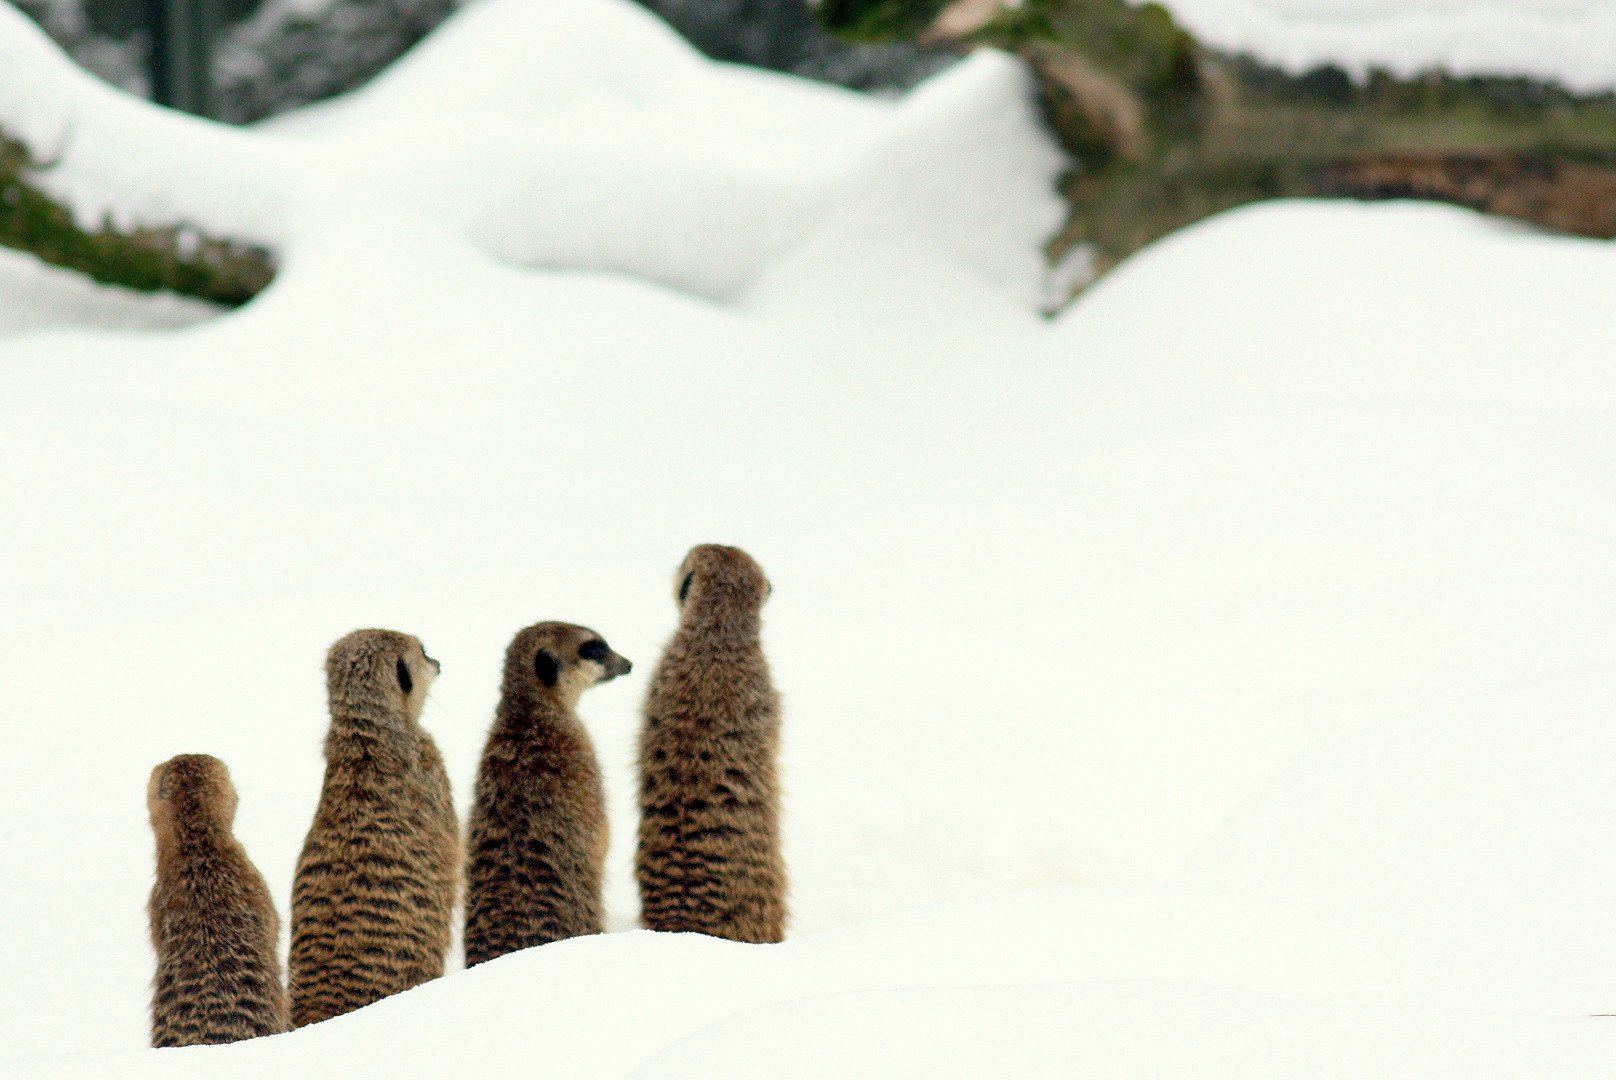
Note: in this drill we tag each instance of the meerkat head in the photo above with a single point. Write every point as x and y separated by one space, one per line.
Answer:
561 660
191 789
380 667
713 575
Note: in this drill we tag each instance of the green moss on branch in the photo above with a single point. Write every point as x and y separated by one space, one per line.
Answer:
176 258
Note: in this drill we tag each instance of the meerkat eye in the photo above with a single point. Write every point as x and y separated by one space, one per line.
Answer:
592 650
546 668
684 589
404 679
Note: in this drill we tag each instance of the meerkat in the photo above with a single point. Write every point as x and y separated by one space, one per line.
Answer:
377 880
709 853
212 922
536 849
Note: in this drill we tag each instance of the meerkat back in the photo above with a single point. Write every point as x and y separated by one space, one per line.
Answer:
709 846
536 848
212 921
379 873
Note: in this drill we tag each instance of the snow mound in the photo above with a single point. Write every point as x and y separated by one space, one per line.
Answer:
1053 600
38 297
582 135
1035 976
1482 824
1123 1031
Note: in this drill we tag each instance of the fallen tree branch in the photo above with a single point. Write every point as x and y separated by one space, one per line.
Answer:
1163 131
175 258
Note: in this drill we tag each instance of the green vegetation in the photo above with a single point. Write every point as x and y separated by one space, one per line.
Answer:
174 258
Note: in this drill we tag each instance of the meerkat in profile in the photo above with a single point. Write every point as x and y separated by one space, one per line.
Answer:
376 883
709 856
536 849
212 922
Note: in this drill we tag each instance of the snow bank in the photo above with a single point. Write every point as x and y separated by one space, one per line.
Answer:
1357 467
565 135
37 297
1482 825
1573 41
1036 980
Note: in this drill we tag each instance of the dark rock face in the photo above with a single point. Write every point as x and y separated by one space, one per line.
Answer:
273 57
784 35
282 58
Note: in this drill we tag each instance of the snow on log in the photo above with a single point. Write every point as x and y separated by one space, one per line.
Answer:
99 181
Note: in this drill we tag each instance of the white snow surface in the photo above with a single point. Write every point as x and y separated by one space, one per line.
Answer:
1213 681
1573 41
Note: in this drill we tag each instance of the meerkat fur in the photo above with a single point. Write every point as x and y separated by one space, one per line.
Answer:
536 846
709 844
379 874
213 924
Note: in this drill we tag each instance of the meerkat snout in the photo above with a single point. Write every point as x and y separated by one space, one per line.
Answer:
611 664
595 663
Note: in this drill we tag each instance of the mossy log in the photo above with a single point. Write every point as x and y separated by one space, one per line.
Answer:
1237 132
1163 131
177 257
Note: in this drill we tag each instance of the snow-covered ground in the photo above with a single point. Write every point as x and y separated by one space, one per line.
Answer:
1212 681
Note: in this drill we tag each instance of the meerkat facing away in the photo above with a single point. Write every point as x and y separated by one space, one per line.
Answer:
536 849
212 922
709 854
377 880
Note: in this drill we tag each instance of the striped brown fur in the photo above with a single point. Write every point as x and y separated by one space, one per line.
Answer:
212 922
709 855
537 844
376 883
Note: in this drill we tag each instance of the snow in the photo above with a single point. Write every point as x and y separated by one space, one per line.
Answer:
1206 682
37 297
1573 41
1027 984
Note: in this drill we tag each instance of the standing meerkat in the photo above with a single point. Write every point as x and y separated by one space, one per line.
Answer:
212 922
709 857
536 850
376 883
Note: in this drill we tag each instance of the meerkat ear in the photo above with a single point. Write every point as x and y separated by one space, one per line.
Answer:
684 589
404 681
546 668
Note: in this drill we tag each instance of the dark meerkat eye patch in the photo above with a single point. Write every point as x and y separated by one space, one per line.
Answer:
546 668
404 681
684 589
592 650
